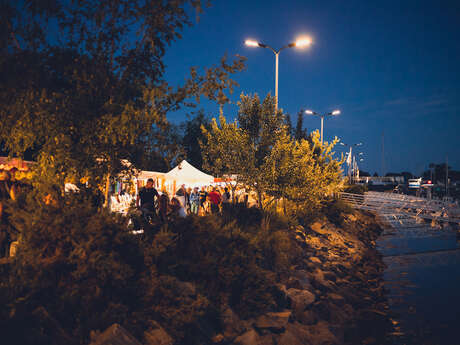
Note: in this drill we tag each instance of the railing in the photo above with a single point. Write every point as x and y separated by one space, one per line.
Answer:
400 206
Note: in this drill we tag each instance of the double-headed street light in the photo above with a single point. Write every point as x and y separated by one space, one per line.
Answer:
332 113
299 43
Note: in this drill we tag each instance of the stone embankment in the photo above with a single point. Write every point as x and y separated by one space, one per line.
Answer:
334 295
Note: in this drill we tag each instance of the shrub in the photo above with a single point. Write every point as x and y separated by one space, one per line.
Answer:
335 209
78 264
355 188
80 269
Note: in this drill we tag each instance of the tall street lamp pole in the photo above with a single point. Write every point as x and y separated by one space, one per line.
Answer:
300 43
332 113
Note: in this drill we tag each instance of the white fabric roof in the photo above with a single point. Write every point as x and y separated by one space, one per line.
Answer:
185 173
144 175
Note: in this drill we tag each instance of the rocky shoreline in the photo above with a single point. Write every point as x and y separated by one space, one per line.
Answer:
334 295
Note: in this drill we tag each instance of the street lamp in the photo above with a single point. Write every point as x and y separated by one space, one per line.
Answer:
301 42
332 113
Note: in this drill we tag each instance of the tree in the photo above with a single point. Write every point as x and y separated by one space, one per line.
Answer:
300 132
162 149
226 150
263 125
192 135
295 172
92 93
289 128
265 158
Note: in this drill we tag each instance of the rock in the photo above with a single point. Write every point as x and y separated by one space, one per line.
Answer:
337 315
300 299
186 288
330 276
318 227
231 324
218 338
157 336
320 334
336 298
302 275
300 280
315 260
114 335
347 308
295 334
351 217
320 282
251 337
308 317
321 309
275 322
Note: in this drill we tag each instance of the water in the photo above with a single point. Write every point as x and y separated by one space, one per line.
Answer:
423 283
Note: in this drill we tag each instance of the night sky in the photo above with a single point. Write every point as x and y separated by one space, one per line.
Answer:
391 67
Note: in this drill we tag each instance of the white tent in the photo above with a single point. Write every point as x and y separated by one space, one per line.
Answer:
187 174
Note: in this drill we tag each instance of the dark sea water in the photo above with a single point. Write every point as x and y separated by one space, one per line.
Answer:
422 279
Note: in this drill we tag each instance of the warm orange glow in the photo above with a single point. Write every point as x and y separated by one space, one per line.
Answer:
251 43
309 112
303 42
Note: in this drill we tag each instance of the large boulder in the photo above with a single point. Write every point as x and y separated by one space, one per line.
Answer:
320 334
275 322
300 299
231 323
251 337
114 335
295 334
299 280
319 227
157 336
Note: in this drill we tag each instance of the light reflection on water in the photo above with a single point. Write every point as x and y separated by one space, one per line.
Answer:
423 282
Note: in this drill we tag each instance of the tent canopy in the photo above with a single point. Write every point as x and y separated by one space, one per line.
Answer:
144 175
185 173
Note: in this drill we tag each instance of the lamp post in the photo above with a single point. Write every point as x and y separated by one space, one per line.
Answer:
299 43
332 113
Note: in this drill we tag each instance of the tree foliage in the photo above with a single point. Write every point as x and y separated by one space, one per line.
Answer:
300 132
192 135
264 157
92 90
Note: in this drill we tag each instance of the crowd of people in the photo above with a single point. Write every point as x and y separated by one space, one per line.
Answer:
153 205
199 201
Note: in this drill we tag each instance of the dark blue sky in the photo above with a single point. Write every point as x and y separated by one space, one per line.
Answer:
389 66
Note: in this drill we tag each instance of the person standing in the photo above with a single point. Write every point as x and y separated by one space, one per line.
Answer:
195 201
176 209
182 196
225 199
163 205
146 199
203 196
215 199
